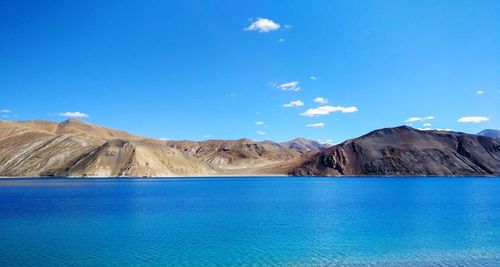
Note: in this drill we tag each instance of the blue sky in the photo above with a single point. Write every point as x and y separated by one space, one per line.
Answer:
233 69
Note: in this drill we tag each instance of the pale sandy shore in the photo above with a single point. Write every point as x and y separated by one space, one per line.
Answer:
148 177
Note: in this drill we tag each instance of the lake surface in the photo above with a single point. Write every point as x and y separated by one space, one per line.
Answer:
250 221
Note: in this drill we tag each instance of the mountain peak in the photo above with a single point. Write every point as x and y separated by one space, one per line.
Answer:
300 139
490 133
392 130
74 126
73 120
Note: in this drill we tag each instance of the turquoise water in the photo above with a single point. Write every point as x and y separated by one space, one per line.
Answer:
250 221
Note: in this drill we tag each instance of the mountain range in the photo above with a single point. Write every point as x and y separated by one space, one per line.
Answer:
80 149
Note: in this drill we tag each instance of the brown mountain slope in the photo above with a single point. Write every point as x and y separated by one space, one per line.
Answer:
132 158
236 154
75 148
73 127
33 153
407 151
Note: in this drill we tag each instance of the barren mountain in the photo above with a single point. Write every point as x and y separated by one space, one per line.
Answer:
76 148
407 151
243 155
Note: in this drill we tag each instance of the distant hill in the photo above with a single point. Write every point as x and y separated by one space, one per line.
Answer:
407 151
304 145
490 133
237 154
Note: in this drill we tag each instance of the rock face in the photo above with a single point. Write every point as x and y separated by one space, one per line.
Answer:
76 148
490 133
408 152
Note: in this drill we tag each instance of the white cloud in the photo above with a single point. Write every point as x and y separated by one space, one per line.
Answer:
281 40
427 124
319 124
321 100
206 136
479 92
289 86
6 111
434 129
473 119
162 139
259 123
314 78
76 114
415 119
325 110
296 103
261 132
263 25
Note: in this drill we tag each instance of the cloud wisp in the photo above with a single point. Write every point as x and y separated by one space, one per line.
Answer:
319 124
321 100
473 119
479 92
5 111
325 110
259 132
263 25
259 123
435 129
296 103
289 86
314 78
76 114
416 119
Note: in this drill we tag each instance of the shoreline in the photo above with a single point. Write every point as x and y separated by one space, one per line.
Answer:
245 176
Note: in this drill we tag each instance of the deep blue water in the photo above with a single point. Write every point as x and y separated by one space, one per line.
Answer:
250 221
